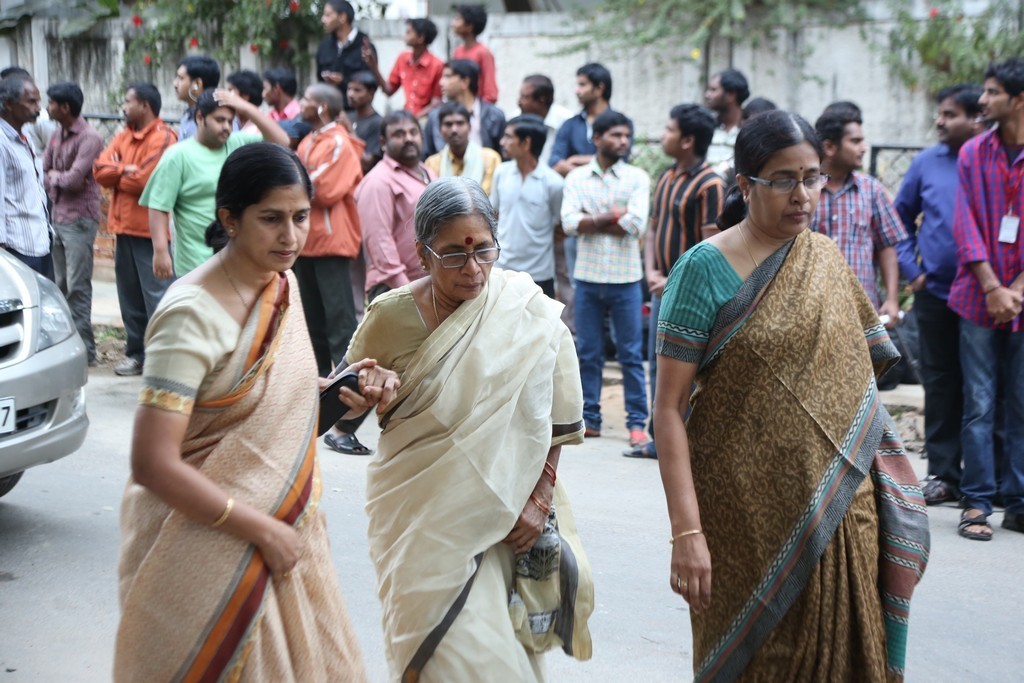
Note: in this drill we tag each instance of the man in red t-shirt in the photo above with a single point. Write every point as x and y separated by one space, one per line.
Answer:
468 22
416 70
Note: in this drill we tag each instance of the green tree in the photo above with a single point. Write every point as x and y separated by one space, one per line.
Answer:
165 29
948 46
693 23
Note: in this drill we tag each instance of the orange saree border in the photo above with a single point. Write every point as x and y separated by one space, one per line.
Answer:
273 309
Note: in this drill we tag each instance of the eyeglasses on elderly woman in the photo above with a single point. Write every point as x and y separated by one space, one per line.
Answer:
459 259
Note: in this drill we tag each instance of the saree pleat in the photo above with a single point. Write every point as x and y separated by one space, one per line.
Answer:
786 426
461 451
198 604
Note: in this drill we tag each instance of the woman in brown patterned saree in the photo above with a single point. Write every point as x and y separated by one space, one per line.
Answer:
225 569
798 529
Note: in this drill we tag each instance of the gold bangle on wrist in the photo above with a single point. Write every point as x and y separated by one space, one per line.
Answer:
691 532
224 517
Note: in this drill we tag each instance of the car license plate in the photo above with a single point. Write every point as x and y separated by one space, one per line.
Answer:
8 415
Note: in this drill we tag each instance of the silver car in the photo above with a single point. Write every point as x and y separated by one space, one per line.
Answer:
43 371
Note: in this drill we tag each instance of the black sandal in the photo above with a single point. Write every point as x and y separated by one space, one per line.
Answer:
346 443
979 520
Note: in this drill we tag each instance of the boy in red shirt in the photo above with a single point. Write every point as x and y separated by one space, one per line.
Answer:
468 22
416 70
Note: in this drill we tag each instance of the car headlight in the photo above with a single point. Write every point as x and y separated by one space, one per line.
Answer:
55 324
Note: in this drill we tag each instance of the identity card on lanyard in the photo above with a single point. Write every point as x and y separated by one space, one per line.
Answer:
1009 226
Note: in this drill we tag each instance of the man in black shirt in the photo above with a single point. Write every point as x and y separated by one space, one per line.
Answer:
340 52
365 119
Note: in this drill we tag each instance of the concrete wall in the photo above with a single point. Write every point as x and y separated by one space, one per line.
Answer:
802 71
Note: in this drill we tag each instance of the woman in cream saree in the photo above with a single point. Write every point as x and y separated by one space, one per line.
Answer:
254 595
805 532
489 394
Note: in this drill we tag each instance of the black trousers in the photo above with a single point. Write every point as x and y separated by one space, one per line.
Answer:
943 385
326 290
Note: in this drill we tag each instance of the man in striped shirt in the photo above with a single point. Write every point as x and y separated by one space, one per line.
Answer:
606 203
24 225
687 201
987 294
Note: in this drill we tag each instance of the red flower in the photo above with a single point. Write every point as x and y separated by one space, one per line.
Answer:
254 48
137 20
283 44
193 42
147 59
293 6
933 13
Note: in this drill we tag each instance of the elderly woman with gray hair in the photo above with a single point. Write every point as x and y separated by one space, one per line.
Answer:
478 563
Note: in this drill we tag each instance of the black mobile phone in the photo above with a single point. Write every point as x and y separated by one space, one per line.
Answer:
331 407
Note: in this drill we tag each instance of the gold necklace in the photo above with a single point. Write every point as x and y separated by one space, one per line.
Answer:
231 281
749 253
433 300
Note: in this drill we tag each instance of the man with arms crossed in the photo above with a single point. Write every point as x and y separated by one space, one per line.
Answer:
125 167
606 203
987 295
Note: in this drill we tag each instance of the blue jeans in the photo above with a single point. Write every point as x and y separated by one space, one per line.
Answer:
989 358
623 302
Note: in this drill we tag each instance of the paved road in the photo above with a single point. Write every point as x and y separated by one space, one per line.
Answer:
59 544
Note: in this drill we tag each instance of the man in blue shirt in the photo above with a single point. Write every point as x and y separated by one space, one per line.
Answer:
928 260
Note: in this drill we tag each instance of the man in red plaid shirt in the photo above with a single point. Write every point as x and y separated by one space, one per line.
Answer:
987 295
856 211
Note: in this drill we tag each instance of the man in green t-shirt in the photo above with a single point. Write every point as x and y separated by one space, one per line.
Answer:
185 181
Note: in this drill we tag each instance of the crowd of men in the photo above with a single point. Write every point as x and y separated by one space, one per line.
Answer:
574 214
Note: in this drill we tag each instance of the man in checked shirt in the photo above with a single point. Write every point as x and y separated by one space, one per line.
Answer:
987 294
856 211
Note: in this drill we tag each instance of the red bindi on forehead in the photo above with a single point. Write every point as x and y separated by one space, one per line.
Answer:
469 241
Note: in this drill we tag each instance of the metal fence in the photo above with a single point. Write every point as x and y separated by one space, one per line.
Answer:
889 163
107 125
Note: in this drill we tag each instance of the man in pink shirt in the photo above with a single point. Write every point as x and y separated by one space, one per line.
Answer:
279 89
468 22
386 201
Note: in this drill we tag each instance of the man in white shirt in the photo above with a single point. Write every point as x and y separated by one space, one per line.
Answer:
527 196
24 224
725 95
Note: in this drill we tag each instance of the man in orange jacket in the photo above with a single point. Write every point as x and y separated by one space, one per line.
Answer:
124 167
332 157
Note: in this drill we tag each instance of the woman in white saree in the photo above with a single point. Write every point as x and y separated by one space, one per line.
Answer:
465 481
